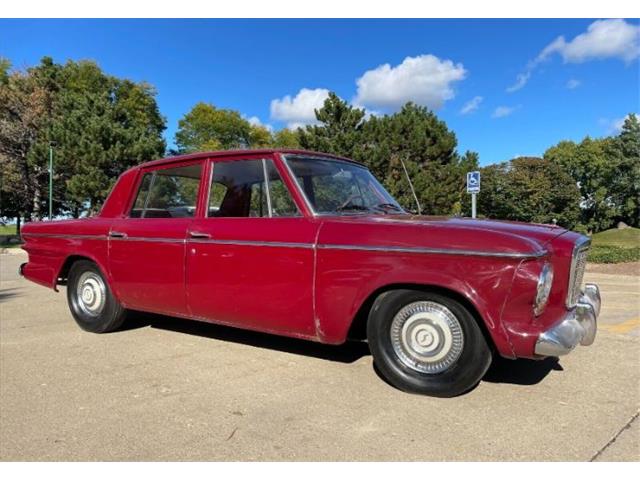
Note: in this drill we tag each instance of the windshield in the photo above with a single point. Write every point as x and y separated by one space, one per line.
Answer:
339 187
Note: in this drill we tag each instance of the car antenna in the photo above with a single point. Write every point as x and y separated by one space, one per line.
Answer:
415 197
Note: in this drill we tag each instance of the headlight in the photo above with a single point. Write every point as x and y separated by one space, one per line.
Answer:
544 288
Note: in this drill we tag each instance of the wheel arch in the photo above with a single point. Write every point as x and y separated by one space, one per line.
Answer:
358 327
63 273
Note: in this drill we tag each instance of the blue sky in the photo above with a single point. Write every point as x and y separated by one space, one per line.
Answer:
580 84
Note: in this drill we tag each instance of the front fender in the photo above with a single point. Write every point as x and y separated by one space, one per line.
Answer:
346 279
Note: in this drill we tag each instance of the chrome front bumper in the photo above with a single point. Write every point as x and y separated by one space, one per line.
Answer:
577 327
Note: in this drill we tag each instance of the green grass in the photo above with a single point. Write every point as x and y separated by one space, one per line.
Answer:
8 229
615 246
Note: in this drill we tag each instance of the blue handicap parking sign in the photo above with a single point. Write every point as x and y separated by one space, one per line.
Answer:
473 182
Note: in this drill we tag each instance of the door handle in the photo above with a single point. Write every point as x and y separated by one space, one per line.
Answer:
114 234
199 235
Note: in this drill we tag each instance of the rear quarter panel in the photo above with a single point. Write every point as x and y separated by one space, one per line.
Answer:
49 244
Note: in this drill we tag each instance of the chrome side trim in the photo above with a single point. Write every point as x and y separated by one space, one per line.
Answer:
434 251
324 246
148 239
64 235
252 243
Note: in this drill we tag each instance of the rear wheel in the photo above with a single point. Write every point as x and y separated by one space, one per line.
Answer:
90 299
426 343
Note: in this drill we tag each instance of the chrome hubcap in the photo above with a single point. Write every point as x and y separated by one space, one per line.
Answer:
427 337
91 293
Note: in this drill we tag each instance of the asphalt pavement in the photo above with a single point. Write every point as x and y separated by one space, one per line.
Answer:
171 389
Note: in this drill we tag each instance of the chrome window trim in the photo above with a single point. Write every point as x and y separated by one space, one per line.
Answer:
146 200
297 184
267 192
582 243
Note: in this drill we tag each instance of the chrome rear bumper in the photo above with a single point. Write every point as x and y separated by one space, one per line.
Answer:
577 327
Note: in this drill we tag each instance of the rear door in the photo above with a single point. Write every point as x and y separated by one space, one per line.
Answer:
250 257
147 247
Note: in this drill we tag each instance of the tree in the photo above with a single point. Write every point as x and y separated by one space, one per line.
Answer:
23 112
427 147
339 129
259 137
591 165
206 127
414 136
285 138
102 125
530 189
625 185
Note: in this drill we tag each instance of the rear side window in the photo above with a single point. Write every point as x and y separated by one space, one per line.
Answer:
238 189
168 193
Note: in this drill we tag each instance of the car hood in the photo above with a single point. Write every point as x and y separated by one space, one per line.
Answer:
492 236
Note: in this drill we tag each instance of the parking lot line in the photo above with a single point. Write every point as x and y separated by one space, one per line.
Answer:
623 327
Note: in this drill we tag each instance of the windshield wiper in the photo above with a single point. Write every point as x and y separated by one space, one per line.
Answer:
351 206
392 206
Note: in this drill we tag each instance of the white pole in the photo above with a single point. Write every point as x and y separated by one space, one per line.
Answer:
473 205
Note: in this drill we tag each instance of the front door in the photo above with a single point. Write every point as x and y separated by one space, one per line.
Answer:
147 248
250 257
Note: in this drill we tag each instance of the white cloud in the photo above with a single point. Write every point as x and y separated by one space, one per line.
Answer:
613 38
299 110
521 81
471 106
573 83
425 80
503 111
615 125
256 122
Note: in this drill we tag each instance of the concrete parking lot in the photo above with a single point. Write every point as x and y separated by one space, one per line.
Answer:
169 389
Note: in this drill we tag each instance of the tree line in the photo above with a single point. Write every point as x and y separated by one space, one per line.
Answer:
102 125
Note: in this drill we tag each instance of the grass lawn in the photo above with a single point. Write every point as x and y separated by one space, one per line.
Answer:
615 246
8 229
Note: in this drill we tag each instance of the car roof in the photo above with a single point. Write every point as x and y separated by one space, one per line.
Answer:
238 154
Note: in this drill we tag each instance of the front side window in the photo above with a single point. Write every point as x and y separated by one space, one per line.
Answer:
340 187
238 189
168 193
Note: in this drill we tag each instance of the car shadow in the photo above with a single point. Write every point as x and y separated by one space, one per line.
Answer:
516 372
8 293
348 352
521 371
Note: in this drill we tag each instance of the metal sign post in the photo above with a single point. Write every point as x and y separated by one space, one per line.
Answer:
473 187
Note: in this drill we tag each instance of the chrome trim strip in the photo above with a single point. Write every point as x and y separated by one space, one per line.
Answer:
252 243
297 184
266 187
581 243
324 246
148 239
437 251
64 235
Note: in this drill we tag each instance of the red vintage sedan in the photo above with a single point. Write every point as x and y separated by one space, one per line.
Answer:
310 245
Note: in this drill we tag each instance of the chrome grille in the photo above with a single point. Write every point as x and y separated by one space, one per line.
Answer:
578 264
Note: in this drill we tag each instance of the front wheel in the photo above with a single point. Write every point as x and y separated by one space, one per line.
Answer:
426 343
90 299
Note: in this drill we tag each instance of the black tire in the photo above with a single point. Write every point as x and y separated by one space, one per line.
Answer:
466 370
109 316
